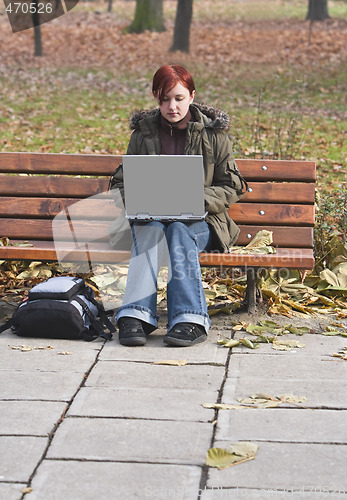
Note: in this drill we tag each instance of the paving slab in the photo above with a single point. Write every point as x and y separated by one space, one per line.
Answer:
287 466
291 366
80 358
35 418
56 480
132 440
319 393
137 375
281 424
11 491
146 403
19 457
39 385
269 494
315 345
155 350
8 337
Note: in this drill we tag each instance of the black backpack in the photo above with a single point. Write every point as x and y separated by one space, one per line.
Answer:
61 308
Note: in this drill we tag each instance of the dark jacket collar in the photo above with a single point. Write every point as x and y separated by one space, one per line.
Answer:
208 117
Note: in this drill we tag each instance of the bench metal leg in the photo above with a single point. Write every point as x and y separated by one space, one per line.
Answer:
251 291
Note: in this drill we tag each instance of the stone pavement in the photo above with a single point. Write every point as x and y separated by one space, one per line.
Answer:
87 421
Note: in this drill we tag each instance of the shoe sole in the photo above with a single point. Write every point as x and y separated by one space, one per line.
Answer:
181 342
134 341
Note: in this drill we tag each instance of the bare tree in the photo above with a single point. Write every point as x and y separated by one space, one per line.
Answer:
148 16
184 16
317 10
37 30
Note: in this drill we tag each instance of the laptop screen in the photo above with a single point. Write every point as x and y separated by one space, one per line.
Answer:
164 186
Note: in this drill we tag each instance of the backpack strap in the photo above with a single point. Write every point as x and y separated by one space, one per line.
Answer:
7 325
96 324
10 322
103 314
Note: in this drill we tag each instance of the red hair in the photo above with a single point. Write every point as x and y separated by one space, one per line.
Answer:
167 77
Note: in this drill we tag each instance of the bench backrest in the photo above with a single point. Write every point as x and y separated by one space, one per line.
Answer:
281 197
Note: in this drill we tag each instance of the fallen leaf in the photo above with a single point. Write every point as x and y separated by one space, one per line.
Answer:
259 244
248 343
27 348
220 458
65 353
265 340
228 343
286 345
260 402
171 362
26 490
342 354
298 330
330 277
269 324
290 398
331 331
237 328
223 406
235 454
244 448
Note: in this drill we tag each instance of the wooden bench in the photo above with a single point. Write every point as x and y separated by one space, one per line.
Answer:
35 187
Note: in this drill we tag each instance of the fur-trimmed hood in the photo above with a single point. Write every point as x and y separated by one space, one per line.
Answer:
211 117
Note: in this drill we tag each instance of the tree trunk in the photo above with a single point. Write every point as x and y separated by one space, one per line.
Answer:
109 8
184 15
148 16
37 31
37 41
317 10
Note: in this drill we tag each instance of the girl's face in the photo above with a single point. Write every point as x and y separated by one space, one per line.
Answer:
175 104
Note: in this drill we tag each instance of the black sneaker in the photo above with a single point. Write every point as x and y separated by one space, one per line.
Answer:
133 331
185 335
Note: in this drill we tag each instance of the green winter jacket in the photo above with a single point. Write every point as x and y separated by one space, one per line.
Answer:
207 136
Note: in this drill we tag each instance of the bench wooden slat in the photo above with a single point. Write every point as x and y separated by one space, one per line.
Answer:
28 207
63 186
47 163
241 213
23 229
291 215
41 229
67 187
101 252
32 207
298 258
281 170
62 163
275 192
283 236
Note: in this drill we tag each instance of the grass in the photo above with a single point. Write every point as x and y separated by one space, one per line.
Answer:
84 119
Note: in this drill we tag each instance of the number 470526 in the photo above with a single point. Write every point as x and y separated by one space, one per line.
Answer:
32 8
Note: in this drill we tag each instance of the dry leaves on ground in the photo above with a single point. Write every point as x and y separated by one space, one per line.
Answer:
172 362
259 401
236 454
342 354
27 348
96 40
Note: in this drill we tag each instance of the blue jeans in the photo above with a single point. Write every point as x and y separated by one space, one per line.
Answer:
177 245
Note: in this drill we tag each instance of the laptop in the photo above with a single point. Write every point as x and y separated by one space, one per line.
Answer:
164 187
